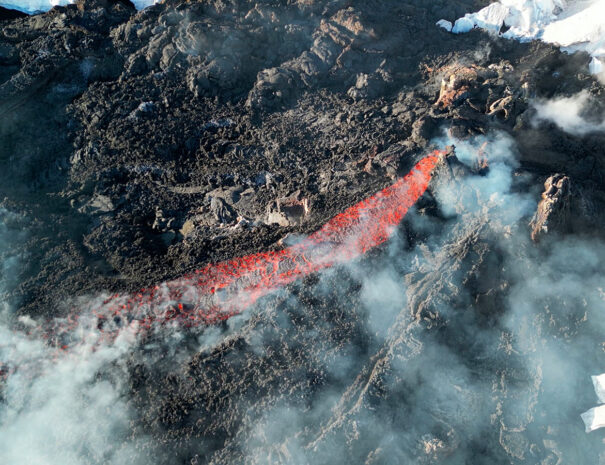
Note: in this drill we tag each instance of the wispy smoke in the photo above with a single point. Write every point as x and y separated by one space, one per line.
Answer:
58 408
464 388
460 341
67 410
571 114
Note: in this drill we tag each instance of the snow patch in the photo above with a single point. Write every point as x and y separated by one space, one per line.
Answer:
463 25
489 18
595 417
444 24
576 25
595 66
37 6
140 4
599 387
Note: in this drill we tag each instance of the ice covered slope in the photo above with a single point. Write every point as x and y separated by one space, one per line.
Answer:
35 6
32 6
572 24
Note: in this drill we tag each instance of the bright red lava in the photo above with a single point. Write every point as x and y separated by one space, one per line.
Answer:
219 291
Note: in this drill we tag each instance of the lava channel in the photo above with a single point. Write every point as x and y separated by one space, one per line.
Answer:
216 292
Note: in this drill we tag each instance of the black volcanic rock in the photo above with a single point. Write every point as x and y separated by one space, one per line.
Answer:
140 146
554 210
6 13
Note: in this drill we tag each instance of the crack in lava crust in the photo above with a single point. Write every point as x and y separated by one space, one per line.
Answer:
218 291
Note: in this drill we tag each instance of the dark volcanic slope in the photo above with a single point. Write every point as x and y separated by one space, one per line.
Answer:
137 146
137 142
150 134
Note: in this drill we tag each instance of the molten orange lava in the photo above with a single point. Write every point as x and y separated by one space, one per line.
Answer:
219 291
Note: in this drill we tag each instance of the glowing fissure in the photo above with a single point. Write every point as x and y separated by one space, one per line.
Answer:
219 291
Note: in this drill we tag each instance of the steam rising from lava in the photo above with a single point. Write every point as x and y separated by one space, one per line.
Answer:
73 387
219 291
466 382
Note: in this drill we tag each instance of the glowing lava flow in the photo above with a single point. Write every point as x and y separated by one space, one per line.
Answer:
219 291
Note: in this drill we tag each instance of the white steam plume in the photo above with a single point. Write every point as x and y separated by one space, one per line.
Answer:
569 113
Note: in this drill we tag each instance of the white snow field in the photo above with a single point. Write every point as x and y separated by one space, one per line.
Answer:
595 417
573 25
36 6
